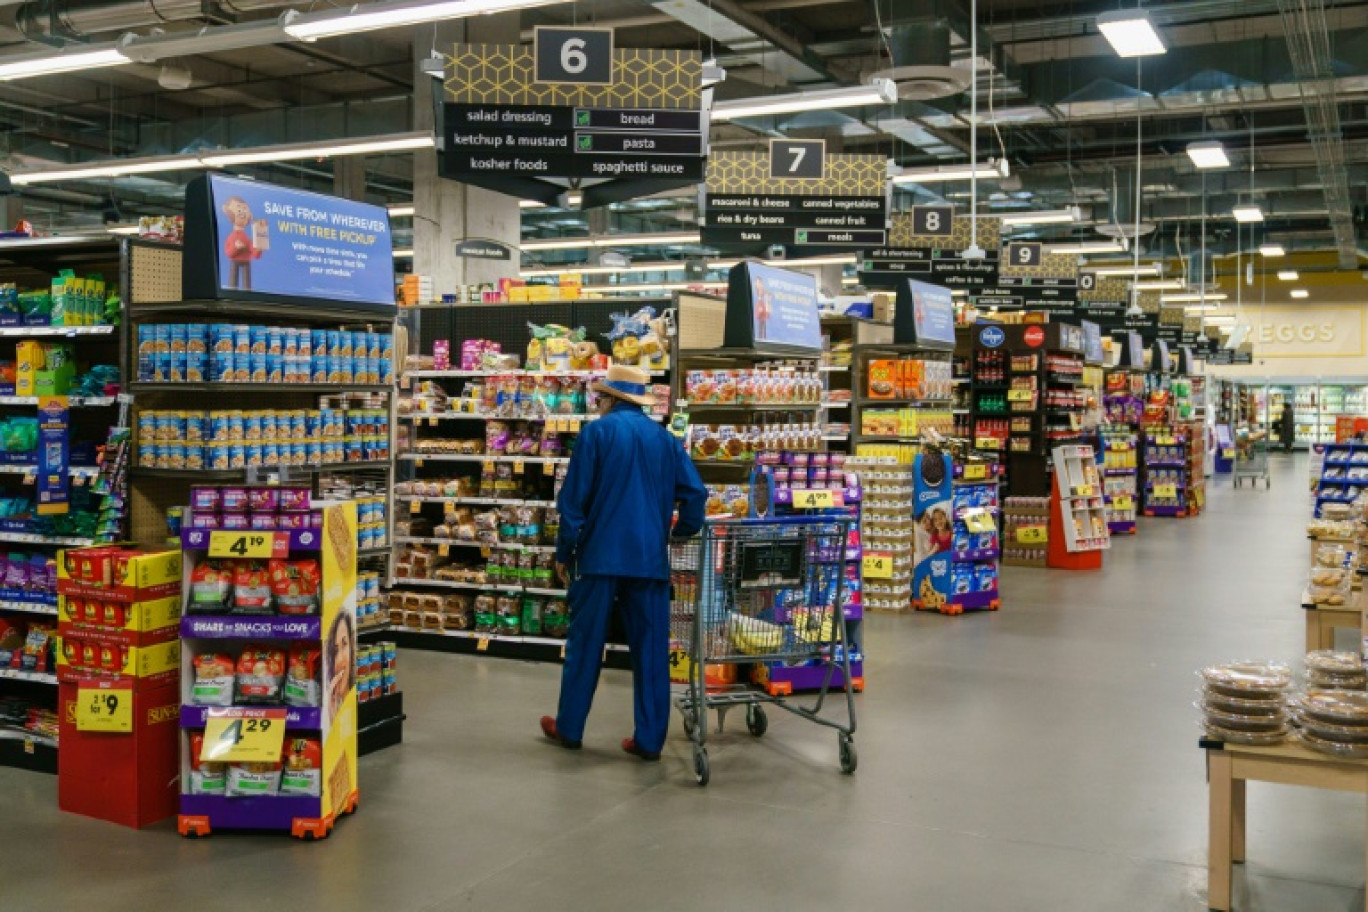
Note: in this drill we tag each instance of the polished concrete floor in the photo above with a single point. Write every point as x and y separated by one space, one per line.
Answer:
1041 758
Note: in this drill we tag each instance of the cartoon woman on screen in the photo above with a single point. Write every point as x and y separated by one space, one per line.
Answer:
239 247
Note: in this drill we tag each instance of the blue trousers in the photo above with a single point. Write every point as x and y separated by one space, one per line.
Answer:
645 606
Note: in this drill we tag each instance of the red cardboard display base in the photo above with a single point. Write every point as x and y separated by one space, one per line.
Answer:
1059 556
129 779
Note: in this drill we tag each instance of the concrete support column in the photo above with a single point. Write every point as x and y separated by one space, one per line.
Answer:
11 211
349 177
446 211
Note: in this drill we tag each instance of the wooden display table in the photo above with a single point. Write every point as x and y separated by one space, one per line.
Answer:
1321 623
1230 766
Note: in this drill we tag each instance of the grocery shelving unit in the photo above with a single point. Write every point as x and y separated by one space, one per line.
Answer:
1082 516
916 414
1120 473
1168 487
1344 474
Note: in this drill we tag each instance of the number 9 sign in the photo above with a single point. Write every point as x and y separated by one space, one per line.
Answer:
580 56
1024 254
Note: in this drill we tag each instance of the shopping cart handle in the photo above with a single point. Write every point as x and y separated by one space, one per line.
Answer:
777 520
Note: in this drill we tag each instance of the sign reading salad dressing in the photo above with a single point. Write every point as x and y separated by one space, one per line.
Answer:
252 241
772 309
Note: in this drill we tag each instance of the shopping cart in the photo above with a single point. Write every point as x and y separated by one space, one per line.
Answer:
747 591
1251 458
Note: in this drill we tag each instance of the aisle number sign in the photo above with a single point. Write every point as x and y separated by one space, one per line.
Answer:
104 706
1033 535
815 499
1166 491
877 565
249 544
243 735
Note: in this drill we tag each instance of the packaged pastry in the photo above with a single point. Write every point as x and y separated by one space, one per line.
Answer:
253 780
303 767
295 585
1248 679
509 615
211 587
302 680
213 684
251 588
260 674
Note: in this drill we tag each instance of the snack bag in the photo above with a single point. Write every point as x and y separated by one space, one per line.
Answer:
303 763
251 588
302 687
260 674
213 684
206 778
211 587
247 780
295 585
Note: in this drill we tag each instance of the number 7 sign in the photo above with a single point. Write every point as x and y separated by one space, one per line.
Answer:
798 158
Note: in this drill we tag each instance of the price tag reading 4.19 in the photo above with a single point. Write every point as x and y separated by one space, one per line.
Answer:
877 565
1033 535
814 499
241 735
104 707
249 544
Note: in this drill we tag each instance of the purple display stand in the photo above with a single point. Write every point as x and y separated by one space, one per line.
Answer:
262 813
298 718
300 539
976 601
811 677
263 627
1166 511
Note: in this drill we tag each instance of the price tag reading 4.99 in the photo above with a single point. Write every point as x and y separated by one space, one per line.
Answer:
104 708
241 735
814 499
249 544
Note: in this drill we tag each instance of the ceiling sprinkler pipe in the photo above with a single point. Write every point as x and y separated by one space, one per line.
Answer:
94 17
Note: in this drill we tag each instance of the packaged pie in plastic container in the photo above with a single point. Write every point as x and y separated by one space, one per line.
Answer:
1343 749
1328 661
1340 707
1235 736
1241 706
1248 680
1331 731
1261 722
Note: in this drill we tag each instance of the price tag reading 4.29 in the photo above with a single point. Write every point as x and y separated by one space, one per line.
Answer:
104 707
241 735
249 544
877 565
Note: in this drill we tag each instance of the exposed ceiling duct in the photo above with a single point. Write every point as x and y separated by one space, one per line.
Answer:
750 39
46 19
920 48
1308 41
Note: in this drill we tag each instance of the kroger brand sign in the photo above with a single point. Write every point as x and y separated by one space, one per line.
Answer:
992 337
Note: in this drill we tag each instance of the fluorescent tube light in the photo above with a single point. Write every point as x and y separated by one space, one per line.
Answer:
403 253
367 17
1300 293
122 229
677 265
617 240
1117 246
60 62
1130 33
1054 217
648 286
1207 155
1125 272
402 142
1163 285
404 210
1191 298
110 168
992 170
531 204
1272 250
878 91
1288 275
1246 214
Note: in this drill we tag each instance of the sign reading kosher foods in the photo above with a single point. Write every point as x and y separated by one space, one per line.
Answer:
755 199
253 241
772 310
924 315
642 131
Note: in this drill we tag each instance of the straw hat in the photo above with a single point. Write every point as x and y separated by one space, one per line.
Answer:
626 383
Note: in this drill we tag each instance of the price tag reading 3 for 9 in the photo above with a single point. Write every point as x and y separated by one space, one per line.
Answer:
249 544
242 735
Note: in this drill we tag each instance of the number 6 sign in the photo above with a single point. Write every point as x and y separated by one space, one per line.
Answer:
578 56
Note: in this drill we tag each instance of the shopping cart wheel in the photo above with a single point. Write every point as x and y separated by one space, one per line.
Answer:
849 759
701 772
756 720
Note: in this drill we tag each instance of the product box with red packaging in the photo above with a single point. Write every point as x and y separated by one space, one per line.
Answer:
116 574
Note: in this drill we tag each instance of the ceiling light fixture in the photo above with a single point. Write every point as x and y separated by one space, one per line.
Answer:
1208 155
404 210
400 142
996 169
1165 285
1247 214
1120 245
1131 33
60 62
110 168
367 17
1300 293
1272 250
1126 272
877 91
403 253
618 240
531 204
122 229
1053 217
1288 275
1191 298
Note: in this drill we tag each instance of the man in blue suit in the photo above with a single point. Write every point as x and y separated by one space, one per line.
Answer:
619 495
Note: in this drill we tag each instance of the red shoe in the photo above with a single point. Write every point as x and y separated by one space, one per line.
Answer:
548 727
630 746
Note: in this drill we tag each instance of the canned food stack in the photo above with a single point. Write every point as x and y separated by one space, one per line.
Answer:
1333 722
375 667
236 353
367 598
1245 702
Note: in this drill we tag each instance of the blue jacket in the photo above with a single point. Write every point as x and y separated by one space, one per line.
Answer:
620 491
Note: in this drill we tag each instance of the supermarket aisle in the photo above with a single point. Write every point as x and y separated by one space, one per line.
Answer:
1041 759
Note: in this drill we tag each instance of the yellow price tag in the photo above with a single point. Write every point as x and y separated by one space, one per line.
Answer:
575 425
681 666
104 706
548 468
482 644
987 443
415 507
417 463
1165 491
1020 395
519 466
1033 535
243 735
979 521
816 499
1083 490
975 472
249 544
877 565
1122 503
443 550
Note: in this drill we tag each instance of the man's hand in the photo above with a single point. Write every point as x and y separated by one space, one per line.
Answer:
562 574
